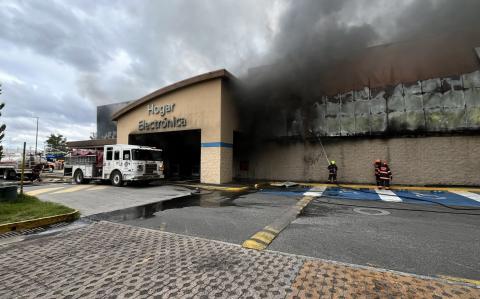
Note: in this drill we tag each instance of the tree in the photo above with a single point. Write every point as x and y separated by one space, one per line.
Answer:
57 143
2 127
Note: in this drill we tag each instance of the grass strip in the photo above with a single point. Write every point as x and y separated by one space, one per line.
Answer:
28 207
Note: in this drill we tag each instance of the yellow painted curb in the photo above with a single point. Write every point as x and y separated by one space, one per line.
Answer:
459 279
264 236
252 244
415 188
33 223
218 188
262 239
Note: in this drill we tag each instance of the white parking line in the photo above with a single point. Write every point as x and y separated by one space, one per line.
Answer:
315 192
471 195
388 195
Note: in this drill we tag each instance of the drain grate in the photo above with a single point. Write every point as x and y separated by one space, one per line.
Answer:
32 230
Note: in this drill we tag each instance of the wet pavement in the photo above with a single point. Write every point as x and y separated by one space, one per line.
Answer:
225 216
107 260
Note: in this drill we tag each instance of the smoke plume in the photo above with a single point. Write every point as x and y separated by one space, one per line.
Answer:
315 36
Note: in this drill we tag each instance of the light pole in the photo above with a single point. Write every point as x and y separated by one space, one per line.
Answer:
36 136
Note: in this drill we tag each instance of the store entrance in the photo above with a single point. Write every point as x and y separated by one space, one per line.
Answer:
181 152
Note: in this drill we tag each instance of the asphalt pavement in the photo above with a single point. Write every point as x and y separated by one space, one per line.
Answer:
405 237
225 216
421 239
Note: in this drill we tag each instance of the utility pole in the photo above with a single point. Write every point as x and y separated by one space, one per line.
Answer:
36 137
23 169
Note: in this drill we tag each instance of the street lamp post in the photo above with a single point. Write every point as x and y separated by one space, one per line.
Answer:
36 137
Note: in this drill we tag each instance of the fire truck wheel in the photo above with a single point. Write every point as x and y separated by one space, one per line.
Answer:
78 177
116 179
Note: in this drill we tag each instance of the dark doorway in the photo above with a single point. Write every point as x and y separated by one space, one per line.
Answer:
181 152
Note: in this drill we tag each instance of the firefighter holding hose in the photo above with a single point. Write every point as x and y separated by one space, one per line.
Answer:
332 172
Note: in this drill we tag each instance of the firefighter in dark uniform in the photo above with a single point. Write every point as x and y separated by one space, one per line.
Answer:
332 172
385 175
377 165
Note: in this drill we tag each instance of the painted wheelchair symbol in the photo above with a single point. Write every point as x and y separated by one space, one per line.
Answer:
428 196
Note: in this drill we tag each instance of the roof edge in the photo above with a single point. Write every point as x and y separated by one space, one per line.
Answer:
221 73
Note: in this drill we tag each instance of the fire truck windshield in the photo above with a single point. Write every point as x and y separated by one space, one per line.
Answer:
146 155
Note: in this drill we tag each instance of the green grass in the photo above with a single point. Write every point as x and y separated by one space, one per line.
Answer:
29 207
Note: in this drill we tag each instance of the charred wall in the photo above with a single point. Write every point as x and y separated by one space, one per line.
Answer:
431 106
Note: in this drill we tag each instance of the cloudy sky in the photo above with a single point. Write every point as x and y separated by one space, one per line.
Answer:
60 59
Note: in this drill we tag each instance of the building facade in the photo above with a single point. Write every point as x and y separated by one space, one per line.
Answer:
192 120
419 115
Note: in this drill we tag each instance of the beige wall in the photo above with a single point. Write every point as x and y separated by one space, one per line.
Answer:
414 161
199 104
207 106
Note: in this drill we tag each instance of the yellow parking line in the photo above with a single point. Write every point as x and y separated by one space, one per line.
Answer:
97 188
44 190
73 189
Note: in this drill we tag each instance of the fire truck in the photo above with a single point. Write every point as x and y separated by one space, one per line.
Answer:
118 163
11 166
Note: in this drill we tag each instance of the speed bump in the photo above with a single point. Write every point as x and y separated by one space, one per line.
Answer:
262 239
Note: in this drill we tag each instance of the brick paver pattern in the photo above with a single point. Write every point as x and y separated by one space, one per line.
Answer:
107 260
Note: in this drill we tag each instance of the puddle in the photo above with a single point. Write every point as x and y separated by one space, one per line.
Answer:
214 199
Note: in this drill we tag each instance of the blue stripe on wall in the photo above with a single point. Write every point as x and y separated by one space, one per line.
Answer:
217 144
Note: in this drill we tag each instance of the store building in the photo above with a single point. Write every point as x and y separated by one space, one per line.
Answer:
415 104
193 121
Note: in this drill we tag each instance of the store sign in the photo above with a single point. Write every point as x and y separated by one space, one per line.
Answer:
165 123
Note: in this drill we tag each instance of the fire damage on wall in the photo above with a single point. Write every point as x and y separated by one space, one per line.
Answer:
401 94
361 86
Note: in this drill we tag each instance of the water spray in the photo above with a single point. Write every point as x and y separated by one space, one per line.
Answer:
321 144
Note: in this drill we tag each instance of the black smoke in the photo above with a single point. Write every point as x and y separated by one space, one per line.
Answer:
315 36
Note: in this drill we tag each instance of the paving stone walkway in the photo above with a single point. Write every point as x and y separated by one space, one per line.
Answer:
107 260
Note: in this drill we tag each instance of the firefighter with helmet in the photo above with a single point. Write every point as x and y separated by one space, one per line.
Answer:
332 172
376 166
385 175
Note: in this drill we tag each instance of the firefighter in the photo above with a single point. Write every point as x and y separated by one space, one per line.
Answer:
376 166
385 175
332 172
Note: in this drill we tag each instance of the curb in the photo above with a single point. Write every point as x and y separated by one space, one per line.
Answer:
262 239
34 223
217 188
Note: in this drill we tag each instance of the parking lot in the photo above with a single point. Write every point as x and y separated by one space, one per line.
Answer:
410 236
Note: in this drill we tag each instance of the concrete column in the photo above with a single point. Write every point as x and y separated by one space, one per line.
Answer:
216 163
